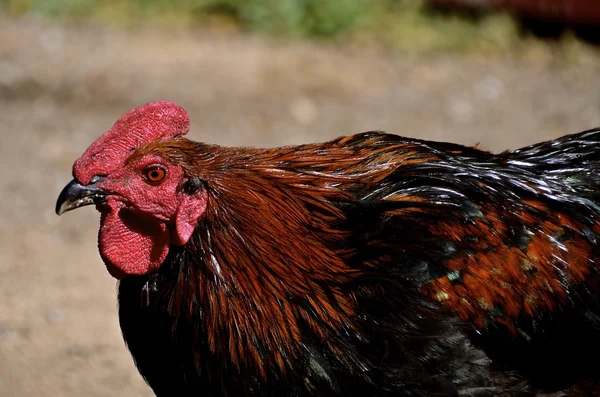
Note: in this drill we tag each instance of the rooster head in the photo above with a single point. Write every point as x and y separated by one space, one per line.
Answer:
136 176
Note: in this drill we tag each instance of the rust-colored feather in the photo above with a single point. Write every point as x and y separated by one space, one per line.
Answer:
266 290
352 267
494 281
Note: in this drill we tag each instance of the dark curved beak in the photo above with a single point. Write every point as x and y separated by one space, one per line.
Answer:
75 195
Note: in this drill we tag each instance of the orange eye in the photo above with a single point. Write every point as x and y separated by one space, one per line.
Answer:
155 174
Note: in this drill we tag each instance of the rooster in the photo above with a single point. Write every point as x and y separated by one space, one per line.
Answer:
368 265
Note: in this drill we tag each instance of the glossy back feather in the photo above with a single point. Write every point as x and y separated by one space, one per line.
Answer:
360 266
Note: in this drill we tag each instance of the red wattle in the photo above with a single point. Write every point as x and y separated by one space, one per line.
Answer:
131 243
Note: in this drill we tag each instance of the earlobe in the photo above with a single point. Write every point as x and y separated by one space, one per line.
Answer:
193 186
191 208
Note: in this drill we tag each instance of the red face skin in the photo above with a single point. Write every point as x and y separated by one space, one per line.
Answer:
141 217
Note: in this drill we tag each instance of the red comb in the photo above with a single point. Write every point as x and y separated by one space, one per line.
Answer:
154 120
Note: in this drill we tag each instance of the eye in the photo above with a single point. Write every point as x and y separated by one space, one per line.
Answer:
154 174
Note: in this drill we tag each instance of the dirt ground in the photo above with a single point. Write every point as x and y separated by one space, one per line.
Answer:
61 87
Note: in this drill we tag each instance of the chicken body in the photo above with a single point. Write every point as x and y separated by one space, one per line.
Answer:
369 265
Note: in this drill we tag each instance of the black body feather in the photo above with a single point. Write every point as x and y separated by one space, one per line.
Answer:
402 341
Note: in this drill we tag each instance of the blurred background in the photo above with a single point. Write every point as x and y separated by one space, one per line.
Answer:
498 73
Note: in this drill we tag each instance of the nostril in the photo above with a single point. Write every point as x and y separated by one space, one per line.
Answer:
97 178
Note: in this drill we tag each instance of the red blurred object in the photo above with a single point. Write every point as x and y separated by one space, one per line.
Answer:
568 12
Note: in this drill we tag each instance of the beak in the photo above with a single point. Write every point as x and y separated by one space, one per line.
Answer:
75 195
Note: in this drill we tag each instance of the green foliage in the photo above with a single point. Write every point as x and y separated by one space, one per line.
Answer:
402 24
52 8
406 25
288 17
304 17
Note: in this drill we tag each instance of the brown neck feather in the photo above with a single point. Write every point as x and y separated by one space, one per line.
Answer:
270 254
